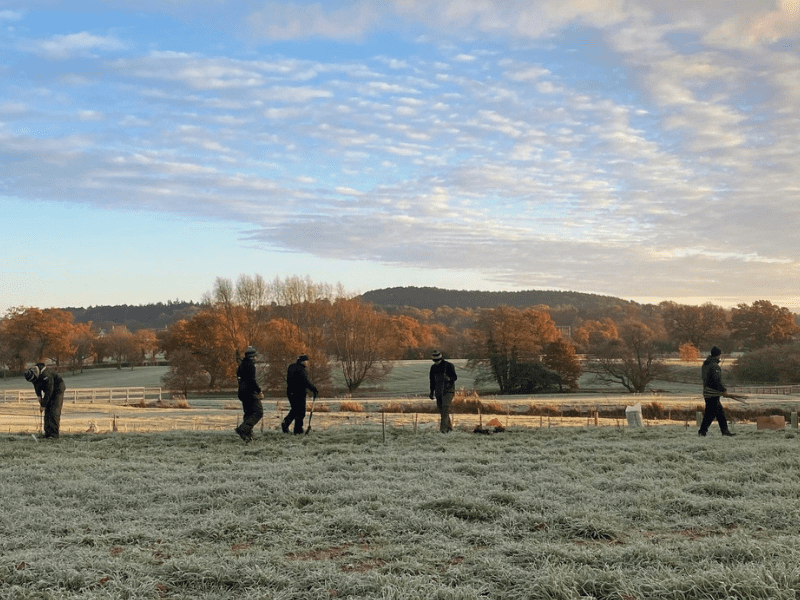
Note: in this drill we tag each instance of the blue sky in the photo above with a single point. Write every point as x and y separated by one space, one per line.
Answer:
642 149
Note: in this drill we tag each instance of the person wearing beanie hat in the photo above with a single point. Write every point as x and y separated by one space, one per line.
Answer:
712 390
249 394
49 387
297 382
443 387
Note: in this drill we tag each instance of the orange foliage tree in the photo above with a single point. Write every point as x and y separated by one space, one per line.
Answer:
33 335
505 340
762 324
362 340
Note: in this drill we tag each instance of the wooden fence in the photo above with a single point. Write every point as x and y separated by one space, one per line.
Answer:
119 396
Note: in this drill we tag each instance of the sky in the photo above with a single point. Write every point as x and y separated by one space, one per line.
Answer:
644 149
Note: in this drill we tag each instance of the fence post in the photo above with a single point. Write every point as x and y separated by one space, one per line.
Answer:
699 418
793 418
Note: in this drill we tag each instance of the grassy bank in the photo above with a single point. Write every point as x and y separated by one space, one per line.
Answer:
568 514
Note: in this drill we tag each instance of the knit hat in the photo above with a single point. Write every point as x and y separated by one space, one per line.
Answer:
715 351
250 351
31 373
436 355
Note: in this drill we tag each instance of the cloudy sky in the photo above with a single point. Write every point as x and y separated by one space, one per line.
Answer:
646 149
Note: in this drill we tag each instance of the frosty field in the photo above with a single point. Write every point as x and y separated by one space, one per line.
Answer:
572 513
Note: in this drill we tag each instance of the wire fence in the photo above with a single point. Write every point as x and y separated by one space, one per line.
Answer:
141 409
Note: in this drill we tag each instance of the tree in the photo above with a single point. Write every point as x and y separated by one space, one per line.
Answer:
505 338
231 317
696 325
205 335
119 344
762 324
595 333
146 343
559 357
630 360
281 346
83 341
185 372
361 340
32 335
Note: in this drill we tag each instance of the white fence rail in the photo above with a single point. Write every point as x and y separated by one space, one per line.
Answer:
119 396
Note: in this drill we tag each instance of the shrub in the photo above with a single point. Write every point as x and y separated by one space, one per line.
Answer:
775 364
351 407
688 352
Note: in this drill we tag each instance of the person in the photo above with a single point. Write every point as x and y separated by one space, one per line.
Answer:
712 390
250 395
50 388
297 382
443 387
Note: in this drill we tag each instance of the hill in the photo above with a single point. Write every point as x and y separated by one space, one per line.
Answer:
146 316
432 298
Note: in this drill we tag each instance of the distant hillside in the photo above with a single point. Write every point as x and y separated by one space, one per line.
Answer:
146 316
432 298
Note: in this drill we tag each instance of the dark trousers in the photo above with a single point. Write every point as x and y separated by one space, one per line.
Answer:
253 411
443 404
297 412
52 415
713 411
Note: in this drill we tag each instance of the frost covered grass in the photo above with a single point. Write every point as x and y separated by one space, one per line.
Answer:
559 514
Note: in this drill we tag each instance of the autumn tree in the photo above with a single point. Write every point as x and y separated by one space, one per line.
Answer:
146 343
762 324
595 333
83 340
696 325
504 339
630 360
231 318
185 372
205 335
33 334
362 340
559 357
119 344
281 345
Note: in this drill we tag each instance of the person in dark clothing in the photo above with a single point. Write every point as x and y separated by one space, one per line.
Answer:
712 390
443 388
297 382
250 395
50 388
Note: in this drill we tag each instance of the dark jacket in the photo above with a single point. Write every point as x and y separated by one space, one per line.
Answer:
443 378
297 381
712 378
48 384
246 374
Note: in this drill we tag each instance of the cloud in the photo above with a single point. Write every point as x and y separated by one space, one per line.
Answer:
585 146
296 21
62 47
10 15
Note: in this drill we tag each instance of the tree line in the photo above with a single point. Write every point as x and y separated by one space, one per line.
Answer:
518 349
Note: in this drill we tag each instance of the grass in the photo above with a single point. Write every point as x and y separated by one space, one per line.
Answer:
562 514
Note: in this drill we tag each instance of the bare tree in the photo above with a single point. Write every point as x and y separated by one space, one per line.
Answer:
630 360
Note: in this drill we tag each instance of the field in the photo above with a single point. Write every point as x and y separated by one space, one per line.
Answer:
531 513
672 402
